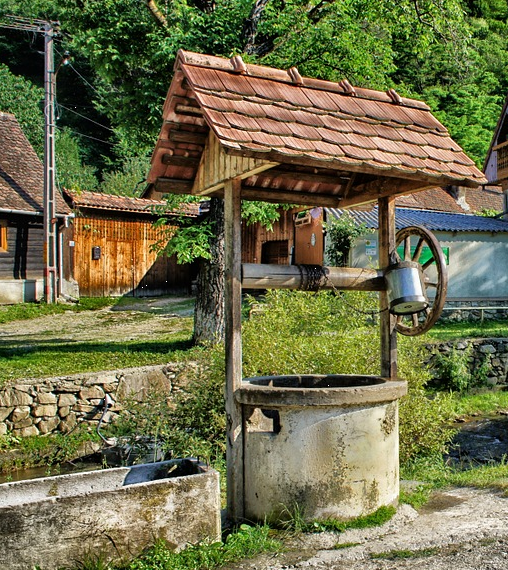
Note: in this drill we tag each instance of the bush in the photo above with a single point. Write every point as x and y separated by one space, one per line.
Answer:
453 372
191 423
290 333
329 333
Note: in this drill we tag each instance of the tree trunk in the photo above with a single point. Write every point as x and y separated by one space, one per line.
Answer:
209 310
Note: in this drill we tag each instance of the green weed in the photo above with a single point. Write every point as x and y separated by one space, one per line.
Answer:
293 520
452 371
485 403
343 545
245 542
445 331
378 518
417 497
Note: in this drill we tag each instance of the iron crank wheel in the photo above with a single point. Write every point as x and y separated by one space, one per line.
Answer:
435 277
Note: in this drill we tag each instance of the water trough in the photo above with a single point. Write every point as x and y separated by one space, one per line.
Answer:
113 513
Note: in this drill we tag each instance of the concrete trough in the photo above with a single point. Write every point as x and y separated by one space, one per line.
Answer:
111 514
326 445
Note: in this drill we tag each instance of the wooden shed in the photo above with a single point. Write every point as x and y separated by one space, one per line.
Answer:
21 217
110 247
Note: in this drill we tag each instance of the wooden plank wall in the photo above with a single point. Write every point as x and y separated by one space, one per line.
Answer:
126 266
221 167
23 257
255 235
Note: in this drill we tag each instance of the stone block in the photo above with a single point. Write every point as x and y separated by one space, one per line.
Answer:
135 385
45 410
66 400
24 388
27 422
13 397
25 432
67 423
85 408
64 411
20 413
70 387
47 426
3 428
92 393
5 413
102 379
46 398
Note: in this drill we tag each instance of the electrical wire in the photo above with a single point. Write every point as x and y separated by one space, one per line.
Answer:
88 83
85 117
87 136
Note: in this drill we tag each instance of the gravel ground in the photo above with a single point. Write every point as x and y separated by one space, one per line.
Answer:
143 318
459 529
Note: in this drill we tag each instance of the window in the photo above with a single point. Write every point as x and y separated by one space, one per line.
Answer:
3 235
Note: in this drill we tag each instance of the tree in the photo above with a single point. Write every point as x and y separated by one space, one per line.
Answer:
452 52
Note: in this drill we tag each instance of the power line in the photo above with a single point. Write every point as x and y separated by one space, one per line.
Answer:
85 117
86 136
89 84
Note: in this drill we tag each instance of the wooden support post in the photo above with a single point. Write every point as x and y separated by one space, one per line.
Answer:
387 248
233 313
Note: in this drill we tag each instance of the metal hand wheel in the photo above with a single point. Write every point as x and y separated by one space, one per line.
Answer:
422 247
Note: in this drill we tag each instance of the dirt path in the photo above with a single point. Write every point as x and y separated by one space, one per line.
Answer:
459 529
141 318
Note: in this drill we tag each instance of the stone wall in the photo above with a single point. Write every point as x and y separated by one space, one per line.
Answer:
490 351
475 310
57 404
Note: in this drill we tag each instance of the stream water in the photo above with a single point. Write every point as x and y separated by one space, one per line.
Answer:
480 441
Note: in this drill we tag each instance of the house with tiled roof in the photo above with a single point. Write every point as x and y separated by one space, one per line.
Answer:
475 248
21 217
496 161
113 241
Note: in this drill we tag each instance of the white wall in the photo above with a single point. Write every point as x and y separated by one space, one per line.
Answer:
478 263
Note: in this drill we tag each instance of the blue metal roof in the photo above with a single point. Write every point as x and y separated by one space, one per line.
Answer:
434 221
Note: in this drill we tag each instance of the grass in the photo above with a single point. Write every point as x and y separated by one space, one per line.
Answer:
404 554
49 356
25 311
55 358
245 542
445 331
486 403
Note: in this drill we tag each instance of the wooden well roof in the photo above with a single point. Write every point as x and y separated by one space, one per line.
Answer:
297 140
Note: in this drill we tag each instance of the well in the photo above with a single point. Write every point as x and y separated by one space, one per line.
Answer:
326 445
238 132
112 514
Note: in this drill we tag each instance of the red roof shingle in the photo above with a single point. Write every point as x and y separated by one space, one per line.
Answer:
21 171
329 127
101 201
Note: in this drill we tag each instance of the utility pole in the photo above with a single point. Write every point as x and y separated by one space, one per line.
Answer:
50 227
49 209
